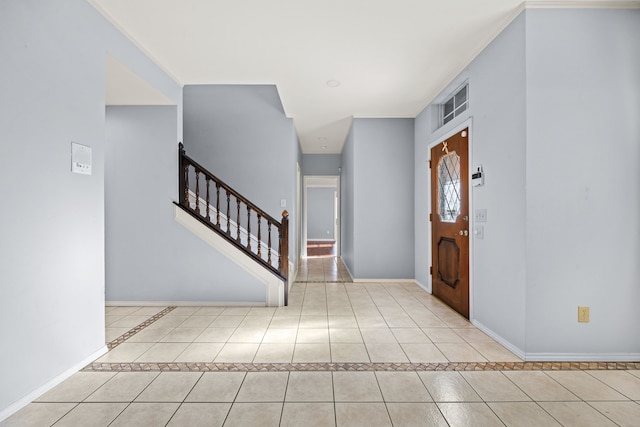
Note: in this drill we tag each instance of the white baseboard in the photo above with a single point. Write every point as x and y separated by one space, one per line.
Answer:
384 280
427 289
558 357
582 357
346 267
21 403
184 303
506 344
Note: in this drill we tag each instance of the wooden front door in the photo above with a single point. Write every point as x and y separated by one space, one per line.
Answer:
450 221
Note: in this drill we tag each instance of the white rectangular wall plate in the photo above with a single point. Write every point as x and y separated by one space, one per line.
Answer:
80 159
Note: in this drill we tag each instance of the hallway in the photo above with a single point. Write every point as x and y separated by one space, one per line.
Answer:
341 353
322 269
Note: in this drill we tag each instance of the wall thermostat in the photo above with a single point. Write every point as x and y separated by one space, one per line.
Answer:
477 178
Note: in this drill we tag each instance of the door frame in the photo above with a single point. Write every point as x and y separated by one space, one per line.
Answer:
437 140
317 181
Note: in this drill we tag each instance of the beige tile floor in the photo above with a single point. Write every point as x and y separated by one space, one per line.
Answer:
326 322
575 398
322 269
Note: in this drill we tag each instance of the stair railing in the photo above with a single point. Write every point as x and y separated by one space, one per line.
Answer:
233 216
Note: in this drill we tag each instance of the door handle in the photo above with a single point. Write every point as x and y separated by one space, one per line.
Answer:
463 232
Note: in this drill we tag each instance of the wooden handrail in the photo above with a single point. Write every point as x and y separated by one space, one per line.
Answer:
209 212
189 161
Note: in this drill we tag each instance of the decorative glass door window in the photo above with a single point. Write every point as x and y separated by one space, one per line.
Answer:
449 187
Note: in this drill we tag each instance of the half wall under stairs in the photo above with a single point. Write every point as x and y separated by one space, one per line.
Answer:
224 219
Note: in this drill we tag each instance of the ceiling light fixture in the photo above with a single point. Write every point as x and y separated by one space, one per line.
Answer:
333 83
324 147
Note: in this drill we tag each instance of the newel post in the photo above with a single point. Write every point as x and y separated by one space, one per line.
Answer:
284 254
182 169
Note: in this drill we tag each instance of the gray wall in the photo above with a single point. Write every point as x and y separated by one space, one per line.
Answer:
320 213
241 134
583 181
299 188
52 81
347 202
379 192
542 125
149 256
422 236
497 82
321 164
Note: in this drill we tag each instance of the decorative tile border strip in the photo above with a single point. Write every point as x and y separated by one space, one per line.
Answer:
355 367
122 338
323 281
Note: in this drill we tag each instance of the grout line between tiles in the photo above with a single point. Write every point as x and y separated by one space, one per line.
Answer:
608 385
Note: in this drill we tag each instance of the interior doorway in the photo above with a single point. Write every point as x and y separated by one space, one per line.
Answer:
321 211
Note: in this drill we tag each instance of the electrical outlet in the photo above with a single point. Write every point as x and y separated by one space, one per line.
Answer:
583 314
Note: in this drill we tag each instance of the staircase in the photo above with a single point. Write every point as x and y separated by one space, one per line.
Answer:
238 228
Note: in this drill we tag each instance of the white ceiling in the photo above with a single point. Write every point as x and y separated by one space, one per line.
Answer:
391 58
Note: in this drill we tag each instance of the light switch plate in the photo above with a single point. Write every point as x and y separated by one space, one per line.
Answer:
481 215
